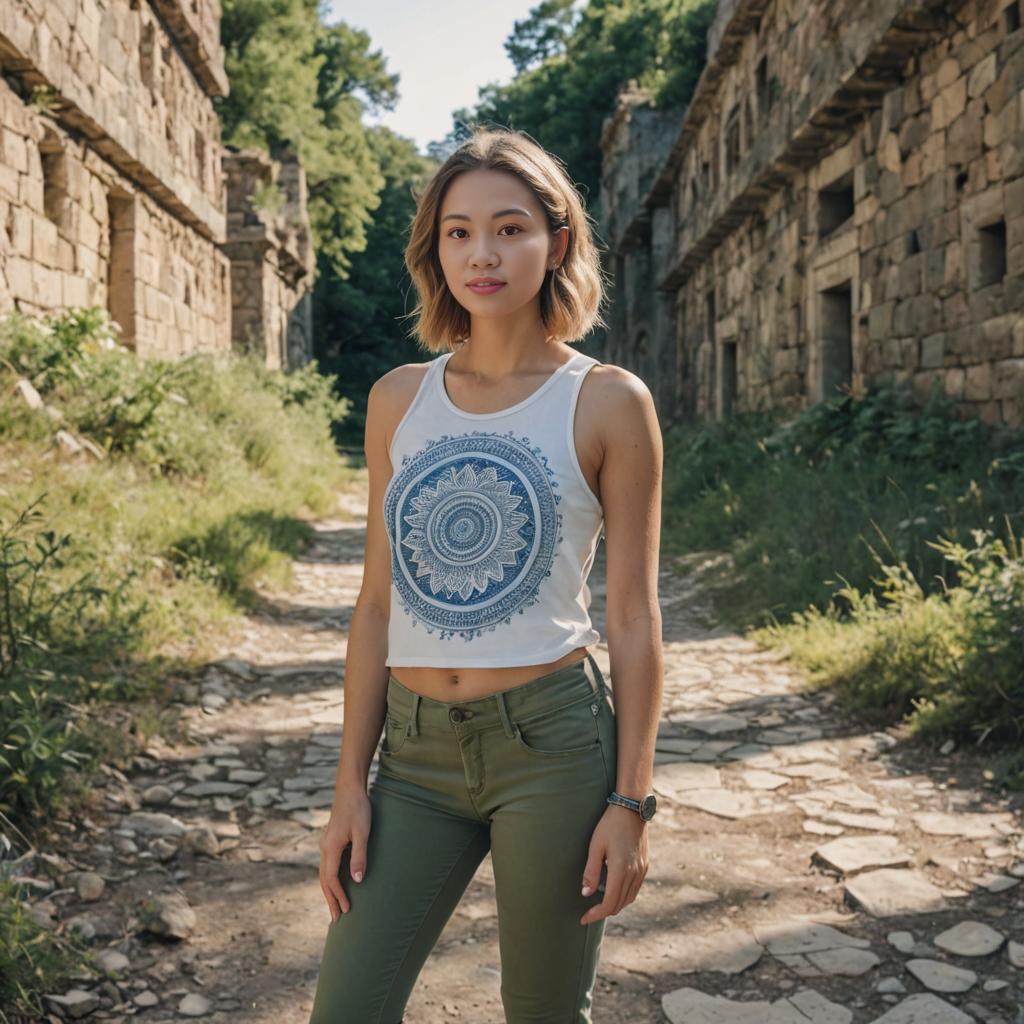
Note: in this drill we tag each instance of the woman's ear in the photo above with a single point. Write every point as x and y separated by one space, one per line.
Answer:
558 247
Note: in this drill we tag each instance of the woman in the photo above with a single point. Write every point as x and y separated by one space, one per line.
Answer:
492 470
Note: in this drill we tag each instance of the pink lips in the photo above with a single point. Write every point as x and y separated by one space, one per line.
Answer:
485 286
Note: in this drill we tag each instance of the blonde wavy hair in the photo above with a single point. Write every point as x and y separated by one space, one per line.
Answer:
572 294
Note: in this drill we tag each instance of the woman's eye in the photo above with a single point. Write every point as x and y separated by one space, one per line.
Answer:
516 228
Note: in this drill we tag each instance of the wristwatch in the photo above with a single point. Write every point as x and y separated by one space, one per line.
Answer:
645 806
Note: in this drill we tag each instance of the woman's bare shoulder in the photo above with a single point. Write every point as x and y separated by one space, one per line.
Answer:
392 394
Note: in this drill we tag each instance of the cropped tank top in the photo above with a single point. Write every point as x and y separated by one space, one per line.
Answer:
492 528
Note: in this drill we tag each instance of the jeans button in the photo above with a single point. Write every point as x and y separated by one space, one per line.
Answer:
456 715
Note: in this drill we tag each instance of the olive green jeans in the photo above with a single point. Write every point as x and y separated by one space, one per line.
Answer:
523 773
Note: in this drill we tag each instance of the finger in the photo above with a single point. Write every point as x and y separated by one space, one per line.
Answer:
357 860
592 871
612 895
339 892
332 902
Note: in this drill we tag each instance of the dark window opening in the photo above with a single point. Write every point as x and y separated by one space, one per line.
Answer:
200 156
709 313
147 56
730 377
55 178
992 254
961 181
836 325
835 204
732 140
913 243
764 99
1012 16
121 264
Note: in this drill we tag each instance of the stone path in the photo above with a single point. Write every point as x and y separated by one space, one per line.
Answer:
801 870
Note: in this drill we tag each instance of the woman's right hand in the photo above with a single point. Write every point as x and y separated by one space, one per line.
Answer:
349 823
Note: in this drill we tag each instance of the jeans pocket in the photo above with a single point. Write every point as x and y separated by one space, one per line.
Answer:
559 733
396 732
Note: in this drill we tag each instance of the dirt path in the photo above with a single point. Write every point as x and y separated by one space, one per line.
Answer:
800 870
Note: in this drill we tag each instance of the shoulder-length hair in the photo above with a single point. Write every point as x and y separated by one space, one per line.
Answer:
572 293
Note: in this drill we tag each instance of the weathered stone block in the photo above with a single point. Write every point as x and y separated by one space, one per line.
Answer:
978 382
933 350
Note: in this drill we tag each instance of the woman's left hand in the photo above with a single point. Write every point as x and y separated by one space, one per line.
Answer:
620 839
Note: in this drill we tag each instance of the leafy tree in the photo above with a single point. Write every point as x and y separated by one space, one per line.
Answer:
297 82
572 64
359 323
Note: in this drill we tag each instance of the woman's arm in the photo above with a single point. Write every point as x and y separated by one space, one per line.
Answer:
366 675
630 482
630 487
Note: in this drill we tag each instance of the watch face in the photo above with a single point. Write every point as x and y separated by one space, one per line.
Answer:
648 806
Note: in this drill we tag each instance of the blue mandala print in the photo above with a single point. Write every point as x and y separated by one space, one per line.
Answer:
473 524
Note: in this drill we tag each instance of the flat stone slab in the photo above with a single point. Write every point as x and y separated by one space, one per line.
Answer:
725 950
857 853
758 778
924 1008
805 937
805 1006
712 723
891 892
970 938
967 826
672 780
941 977
868 822
725 803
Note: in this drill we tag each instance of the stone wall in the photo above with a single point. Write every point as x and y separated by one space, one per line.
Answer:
112 186
272 259
845 201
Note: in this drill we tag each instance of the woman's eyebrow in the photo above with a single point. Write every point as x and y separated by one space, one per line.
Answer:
501 213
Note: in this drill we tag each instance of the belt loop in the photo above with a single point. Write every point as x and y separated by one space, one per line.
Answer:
413 730
594 675
504 716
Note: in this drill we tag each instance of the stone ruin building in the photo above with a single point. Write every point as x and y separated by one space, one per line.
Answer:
841 202
115 189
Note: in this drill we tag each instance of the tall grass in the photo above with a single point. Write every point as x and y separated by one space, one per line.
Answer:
876 539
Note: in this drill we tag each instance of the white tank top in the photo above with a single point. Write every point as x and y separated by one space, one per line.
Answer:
492 527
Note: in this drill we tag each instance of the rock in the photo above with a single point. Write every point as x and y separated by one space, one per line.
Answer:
856 853
214 788
88 885
201 840
970 938
819 828
890 986
691 1006
903 941
713 723
26 391
163 848
167 914
998 883
69 445
75 1003
1015 953
941 977
757 778
847 962
967 826
673 779
157 795
890 892
995 985
246 775
112 961
868 822
145 998
804 937
923 1008
154 823
194 1005
727 803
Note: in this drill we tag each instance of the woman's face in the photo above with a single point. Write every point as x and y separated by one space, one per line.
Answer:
491 226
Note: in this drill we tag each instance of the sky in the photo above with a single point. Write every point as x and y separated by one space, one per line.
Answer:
442 50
